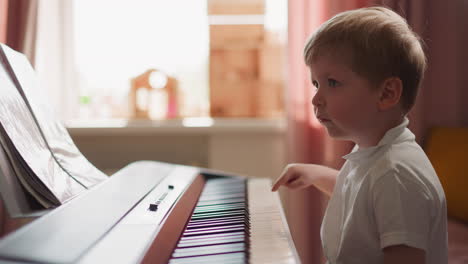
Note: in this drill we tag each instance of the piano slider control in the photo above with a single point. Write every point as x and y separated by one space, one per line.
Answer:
153 207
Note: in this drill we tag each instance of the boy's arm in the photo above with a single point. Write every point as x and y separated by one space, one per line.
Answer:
401 254
298 176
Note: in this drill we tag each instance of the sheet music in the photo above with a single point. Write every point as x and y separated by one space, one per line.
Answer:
60 142
11 191
53 170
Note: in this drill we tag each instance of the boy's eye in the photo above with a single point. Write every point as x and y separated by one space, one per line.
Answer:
332 83
315 83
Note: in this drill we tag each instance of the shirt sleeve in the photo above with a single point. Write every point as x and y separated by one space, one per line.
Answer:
401 211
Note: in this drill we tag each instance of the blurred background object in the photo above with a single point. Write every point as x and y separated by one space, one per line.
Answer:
153 95
246 61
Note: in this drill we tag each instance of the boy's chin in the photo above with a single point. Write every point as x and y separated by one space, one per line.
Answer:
335 134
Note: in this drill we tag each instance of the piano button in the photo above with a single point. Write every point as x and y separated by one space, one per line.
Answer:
170 187
153 207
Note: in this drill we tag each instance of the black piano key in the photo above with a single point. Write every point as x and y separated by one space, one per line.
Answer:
223 191
230 258
219 218
212 241
214 224
228 212
213 237
220 197
208 250
208 229
219 205
223 201
214 216
215 206
219 213
218 221
215 230
218 226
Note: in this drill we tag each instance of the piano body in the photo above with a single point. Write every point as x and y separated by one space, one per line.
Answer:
152 212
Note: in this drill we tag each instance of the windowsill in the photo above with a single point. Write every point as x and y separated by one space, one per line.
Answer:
201 125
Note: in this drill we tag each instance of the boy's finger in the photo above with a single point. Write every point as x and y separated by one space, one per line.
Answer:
282 179
275 186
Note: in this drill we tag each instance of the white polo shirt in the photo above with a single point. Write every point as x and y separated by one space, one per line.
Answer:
386 195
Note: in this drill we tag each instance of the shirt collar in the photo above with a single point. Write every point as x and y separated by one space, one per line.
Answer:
397 134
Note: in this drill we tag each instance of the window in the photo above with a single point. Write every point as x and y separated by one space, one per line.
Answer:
117 40
101 45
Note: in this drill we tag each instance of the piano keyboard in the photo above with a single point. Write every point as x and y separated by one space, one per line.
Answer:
218 230
187 215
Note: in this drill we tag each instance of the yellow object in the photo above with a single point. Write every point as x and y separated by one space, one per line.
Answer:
447 148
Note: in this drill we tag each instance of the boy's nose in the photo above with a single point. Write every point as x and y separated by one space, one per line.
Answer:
317 100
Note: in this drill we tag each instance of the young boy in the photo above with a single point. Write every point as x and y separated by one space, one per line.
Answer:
387 204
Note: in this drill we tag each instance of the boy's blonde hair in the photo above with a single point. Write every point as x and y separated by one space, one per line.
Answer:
377 43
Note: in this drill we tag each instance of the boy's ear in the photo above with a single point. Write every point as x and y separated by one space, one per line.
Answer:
390 93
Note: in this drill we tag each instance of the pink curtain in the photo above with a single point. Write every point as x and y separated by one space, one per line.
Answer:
17 30
444 94
305 137
21 27
443 27
3 20
307 140
16 23
441 101
3 28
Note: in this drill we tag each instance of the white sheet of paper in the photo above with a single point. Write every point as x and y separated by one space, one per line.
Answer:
56 161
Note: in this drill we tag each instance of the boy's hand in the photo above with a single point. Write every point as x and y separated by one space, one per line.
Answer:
294 176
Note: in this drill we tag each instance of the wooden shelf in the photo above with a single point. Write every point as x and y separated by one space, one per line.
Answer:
236 19
208 126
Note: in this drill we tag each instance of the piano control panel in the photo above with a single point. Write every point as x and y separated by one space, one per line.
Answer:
141 225
154 206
